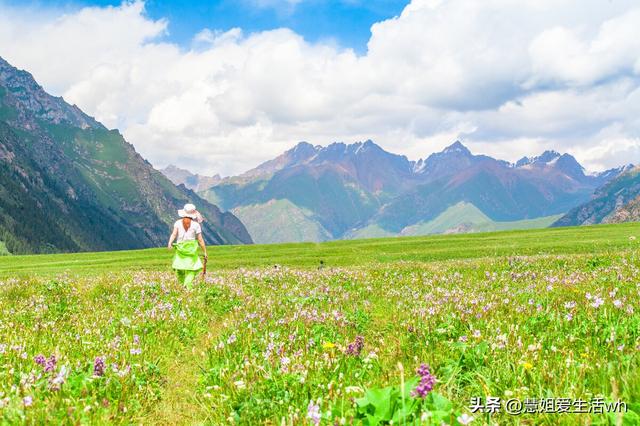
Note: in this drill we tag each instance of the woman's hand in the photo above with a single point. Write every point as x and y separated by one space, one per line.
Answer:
172 238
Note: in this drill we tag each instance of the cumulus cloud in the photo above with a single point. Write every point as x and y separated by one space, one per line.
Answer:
509 78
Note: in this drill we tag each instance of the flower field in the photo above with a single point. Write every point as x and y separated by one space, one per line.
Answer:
401 343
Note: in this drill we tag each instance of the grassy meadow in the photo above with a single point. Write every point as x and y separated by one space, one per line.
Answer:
565 241
387 331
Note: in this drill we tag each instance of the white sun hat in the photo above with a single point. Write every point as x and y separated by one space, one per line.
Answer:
189 210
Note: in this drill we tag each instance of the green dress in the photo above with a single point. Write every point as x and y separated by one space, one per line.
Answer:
186 262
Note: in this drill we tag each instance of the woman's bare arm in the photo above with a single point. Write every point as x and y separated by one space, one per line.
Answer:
203 246
172 238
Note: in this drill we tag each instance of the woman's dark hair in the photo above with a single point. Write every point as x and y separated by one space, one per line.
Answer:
186 223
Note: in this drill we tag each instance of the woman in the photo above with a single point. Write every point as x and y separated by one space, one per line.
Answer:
187 232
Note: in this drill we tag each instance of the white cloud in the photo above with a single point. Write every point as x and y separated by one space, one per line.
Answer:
560 54
508 77
282 7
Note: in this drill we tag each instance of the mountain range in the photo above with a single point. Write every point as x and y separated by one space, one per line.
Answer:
316 193
194 182
67 183
616 201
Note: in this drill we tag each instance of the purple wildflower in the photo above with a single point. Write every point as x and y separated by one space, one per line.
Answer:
313 413
40 360
98 366
427 382
50 364
356 347
597 302
27 401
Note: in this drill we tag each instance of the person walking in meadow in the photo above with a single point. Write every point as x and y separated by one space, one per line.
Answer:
187 233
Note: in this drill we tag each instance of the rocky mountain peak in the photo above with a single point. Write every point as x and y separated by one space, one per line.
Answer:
23 93
303 149
547 157
456 148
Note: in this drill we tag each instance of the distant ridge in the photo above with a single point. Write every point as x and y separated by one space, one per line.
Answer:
615 202
194 182
346 189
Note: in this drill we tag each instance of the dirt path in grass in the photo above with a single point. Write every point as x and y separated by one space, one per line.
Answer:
180 404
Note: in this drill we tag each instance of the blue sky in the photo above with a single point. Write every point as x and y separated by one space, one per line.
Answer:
346 22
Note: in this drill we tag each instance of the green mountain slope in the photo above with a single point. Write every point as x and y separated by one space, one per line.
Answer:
613 202
461 214
459 218
278 221
69 184
465 217
335 200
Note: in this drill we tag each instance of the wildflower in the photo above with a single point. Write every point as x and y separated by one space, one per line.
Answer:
313 413
231 339
527 365
59 379
501 341
27 401
617 303
328 345
427 381
597 302
356 347
40 360
568 317
98 367
465 419
135 351
50 365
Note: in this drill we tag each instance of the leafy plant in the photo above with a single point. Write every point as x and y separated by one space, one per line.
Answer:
395 405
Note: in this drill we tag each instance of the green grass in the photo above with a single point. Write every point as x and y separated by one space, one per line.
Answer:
573 240
527 314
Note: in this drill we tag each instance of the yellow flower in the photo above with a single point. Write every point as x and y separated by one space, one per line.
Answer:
328 345
527 365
